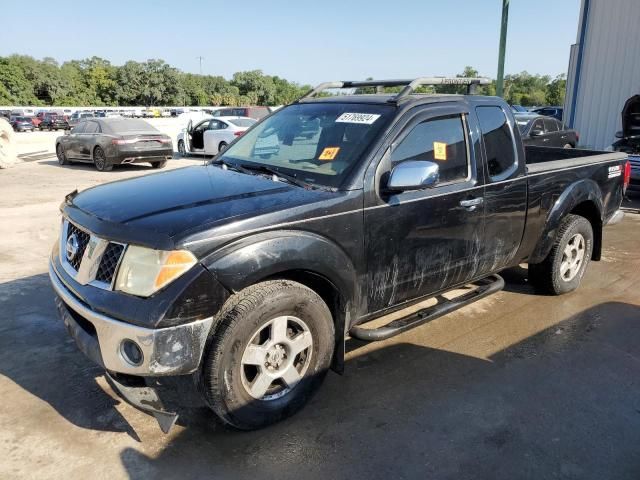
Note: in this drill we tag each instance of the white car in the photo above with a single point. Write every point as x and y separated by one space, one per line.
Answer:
211 135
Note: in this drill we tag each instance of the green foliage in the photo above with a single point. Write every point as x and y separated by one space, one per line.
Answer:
94 81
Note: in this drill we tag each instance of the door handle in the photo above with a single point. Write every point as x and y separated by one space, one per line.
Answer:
472 203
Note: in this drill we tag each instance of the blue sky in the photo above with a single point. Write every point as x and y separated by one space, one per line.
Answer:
307 42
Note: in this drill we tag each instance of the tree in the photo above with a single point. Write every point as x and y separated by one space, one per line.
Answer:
556 90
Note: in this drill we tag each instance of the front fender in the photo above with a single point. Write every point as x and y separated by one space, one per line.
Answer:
577 193
254 258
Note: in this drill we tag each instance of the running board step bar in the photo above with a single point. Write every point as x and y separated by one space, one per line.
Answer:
485 287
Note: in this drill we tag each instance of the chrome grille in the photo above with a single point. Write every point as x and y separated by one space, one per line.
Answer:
89 259
109 262
82 241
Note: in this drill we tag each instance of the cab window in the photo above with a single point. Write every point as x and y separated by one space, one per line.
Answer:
550 125
441 141
498 142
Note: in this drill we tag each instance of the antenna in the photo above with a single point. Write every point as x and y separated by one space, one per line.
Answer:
200 58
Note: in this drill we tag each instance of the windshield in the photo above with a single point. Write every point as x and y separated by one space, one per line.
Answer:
523 120
318 143
242 122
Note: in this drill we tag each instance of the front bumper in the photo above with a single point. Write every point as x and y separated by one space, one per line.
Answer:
166 351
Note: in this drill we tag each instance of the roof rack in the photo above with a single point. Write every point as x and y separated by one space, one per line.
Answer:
409 85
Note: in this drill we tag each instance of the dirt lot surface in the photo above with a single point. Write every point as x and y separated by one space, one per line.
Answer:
515 386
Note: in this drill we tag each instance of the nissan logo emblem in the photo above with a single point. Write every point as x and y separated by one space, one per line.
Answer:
72 247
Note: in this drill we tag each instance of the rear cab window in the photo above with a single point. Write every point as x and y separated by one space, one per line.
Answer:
499 145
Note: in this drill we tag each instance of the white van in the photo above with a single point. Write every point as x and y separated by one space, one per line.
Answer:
23 112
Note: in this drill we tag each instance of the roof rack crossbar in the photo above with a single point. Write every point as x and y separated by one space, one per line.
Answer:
409 85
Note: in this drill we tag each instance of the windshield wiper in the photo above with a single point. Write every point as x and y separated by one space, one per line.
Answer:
279 175
231 166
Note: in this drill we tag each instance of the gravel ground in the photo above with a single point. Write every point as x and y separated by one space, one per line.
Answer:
515 386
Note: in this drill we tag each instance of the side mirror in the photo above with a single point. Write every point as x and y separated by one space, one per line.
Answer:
536 133
619 134
413 175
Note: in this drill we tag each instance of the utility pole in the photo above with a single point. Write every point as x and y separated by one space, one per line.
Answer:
200 58
503 46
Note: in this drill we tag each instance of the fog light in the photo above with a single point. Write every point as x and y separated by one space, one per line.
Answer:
131 352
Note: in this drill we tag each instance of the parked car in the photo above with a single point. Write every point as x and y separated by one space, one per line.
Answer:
518 109
240 280
628 139
251 112
545 131
210 136
23 112
555 112
22 124
53 121
78 116
106 142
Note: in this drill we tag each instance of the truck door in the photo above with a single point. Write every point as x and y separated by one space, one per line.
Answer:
505 195
422 241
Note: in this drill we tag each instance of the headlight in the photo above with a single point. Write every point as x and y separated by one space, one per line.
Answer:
144 271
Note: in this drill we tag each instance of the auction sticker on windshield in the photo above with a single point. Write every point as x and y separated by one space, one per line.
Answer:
362 118
329 153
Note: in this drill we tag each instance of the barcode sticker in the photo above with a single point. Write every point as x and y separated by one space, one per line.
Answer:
362 118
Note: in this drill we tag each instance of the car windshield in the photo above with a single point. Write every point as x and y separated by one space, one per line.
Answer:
523 120
318 143
23 119
242 122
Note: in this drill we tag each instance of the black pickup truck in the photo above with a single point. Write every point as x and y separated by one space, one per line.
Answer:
236 283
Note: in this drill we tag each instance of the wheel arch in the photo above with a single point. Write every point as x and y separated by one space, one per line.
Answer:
583 198
304 257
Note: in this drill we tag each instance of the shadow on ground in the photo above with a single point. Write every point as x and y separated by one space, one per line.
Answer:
37 354
564 403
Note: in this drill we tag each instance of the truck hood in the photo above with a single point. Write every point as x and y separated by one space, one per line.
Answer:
153 209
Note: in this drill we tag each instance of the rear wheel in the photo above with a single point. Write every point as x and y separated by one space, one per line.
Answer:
567 145
100 160
62 157
268 355
222 146
181 149
563 269
161 164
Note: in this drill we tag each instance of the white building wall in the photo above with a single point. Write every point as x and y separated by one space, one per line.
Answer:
610 69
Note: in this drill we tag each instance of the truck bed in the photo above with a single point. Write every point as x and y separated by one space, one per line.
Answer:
545 159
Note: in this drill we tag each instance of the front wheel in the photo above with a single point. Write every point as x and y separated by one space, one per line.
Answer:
100 160
563 269
269 354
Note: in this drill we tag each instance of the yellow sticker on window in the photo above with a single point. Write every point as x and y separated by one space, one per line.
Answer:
439 151
329 153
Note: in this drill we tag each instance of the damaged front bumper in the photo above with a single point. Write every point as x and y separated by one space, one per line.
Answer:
124 348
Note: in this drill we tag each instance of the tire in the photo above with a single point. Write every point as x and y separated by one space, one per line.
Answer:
182 149
229 377
567 145
562 271
100 160
222 146
157 165
62 157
